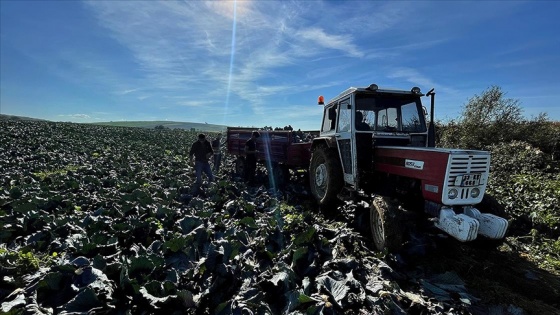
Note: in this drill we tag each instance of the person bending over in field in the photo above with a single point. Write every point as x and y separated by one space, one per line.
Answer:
201 151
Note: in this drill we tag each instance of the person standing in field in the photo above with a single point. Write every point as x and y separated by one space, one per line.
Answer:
217 146
201 151
251 157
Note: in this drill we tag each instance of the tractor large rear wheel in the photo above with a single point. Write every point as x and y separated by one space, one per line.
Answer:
325 176
385 224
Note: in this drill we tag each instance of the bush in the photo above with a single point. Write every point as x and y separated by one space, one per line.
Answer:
535 198
522 179
544 134
487 118
516 157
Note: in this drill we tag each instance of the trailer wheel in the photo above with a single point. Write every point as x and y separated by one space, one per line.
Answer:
325 176
385 225
240 166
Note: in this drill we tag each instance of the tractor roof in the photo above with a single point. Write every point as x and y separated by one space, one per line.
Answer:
373 91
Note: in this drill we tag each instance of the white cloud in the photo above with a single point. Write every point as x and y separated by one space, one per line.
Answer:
410 75
190 49
128 91
194 103
187 46
76 116
343 43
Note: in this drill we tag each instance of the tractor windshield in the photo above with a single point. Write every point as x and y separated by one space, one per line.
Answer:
391 112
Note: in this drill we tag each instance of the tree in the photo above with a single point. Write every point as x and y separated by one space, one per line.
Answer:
490 118
544 134
487 118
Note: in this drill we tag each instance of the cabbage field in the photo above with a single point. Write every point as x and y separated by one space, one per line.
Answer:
106 220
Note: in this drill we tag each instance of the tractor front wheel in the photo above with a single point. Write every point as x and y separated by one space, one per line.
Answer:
325 176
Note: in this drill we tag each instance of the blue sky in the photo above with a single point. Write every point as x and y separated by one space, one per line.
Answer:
264 63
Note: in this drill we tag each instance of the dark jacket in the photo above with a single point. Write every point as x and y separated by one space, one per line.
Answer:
250 148
200 150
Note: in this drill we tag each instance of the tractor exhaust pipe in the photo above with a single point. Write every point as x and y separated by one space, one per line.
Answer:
432 127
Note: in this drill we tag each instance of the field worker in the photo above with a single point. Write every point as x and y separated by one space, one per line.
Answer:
201 151
251 157
217 146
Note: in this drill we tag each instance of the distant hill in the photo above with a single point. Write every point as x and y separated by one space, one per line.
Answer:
141 124
166 124
12 117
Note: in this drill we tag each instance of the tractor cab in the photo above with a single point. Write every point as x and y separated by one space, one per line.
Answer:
360 119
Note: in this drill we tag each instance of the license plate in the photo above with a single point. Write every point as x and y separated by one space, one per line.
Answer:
468 180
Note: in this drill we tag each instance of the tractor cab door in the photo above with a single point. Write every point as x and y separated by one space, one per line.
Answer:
345 141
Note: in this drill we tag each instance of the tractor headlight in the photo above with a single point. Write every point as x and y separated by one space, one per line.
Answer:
452 194
475 192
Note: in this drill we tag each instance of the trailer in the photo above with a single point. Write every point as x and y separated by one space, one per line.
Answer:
278 150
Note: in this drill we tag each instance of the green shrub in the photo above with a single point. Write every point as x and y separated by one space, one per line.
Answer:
516 157
490 118
535 196
486 118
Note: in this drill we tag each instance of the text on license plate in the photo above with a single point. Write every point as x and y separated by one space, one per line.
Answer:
467 180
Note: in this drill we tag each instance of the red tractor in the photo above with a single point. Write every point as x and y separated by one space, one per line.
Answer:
377 142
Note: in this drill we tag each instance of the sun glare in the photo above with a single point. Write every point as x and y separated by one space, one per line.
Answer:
232 55
231 9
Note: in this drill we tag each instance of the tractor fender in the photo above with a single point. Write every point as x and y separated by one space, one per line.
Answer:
329 142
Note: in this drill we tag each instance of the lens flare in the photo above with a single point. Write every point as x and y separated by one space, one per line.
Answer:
231 61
